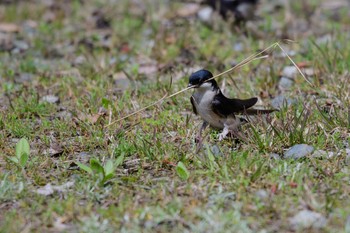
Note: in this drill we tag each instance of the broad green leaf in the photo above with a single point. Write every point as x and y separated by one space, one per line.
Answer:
23 160
84 167
22 147
96 166
106 103
106 178
119 160
182 171
109 168
13 159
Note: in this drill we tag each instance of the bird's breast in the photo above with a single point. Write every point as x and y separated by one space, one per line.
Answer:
203 104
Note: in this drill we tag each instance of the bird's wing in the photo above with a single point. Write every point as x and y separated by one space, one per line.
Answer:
257 111
193 105
224 106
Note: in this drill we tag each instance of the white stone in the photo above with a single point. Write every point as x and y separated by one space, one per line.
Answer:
307 219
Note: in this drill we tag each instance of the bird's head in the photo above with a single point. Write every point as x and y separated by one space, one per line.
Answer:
200 77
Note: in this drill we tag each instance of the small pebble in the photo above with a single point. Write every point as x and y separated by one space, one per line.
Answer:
320 154
289 71
308 219
216 150
298 151
52 99
262 194
285 83
21 45
279 101
66 115
205 13
24 77
274 156
238 47
326 39
121 81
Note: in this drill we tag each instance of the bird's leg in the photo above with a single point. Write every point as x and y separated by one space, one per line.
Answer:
199 135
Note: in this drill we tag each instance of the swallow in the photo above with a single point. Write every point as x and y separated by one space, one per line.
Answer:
217 110
242 10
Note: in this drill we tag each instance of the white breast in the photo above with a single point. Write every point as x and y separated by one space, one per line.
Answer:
203 98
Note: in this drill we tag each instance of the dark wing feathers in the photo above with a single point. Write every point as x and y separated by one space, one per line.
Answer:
193 105
257 111
225 106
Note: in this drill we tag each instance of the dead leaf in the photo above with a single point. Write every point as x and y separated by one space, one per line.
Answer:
293 184
331 5
6 41
49 17
94 118
264 94
9 27
124 48
303 64
49 189
329 102
147 65
59 223
55 150
187 10
148 69
170 39
167 162
273 189
46 190
309 71
73 73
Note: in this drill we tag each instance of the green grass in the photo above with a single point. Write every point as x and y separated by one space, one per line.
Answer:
226 186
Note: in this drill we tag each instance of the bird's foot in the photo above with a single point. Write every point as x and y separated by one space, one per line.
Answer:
234 134
223 134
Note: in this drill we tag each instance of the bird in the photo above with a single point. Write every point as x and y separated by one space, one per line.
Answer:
215 109
242 10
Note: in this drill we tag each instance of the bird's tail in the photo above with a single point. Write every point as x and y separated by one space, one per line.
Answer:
253 111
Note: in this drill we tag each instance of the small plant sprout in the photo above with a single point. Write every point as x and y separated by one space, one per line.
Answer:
105 171
182 171
22 153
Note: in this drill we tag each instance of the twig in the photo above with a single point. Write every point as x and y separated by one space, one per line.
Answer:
302 74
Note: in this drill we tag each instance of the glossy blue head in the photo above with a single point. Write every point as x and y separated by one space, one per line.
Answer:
199 77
